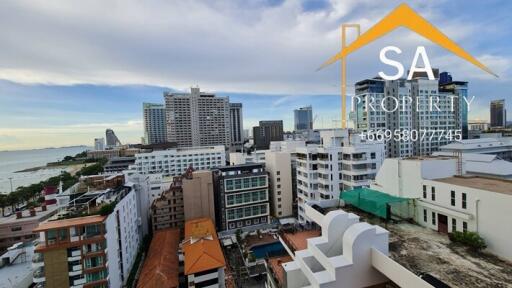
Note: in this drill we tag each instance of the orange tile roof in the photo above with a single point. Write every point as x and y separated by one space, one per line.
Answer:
202 248
86 220
161 267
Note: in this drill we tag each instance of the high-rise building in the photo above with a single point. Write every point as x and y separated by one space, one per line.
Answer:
303 118
99 144
498 114
342 162
266 132
155 130
279 167
112 140
405 106
459 89
197 119
241 196
237 126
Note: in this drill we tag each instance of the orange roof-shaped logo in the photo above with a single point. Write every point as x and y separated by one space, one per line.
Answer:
405 16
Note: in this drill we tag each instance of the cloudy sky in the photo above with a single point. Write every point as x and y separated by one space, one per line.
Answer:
71 69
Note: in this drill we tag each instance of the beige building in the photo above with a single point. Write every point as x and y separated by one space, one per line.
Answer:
198 198
279 167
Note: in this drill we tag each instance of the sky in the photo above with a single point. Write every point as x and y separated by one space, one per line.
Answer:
71 69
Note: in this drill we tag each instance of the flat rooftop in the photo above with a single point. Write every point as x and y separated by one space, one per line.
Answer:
298 240
477 182
50 209
70 222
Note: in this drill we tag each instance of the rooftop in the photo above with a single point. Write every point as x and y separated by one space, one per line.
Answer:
201 246
40 215
70 222
298 240
19 273
275 264
482 183
161 267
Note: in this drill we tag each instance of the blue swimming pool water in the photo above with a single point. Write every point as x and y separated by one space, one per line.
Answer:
270 249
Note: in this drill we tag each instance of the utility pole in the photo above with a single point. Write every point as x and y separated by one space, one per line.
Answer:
10 180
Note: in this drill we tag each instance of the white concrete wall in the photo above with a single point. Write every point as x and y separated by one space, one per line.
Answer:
281 190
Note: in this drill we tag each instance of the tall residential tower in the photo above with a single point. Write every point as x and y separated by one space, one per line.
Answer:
303 118
498 114
197 119
154 123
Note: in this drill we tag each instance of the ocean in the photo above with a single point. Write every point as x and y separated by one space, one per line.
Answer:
12 161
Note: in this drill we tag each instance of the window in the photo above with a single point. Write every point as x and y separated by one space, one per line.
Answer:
424 191
453 198
454 224
425 215
464 226
278 173
464 203
278 186
433 218
433 193
17 228
278 179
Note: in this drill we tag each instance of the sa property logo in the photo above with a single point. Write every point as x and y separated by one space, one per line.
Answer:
401 16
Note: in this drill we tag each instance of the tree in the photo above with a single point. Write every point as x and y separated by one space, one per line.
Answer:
3 203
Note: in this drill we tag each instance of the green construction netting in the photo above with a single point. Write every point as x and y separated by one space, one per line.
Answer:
377 203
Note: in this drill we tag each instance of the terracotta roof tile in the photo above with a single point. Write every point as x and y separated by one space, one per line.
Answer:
161 267
202 248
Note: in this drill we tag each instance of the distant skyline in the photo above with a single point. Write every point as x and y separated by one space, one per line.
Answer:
65 79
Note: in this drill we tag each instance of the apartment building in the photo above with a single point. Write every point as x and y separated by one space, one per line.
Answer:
155 130
303 119
279 168
241 196
347 253
167 210
198 195
266 132
90 251
237 126
406 105
498 112
342 162
197 119
447 200
204 259
99 144
174 162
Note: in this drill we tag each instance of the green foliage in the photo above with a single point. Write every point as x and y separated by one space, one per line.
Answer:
106 209
251 257
470 239
91 169
239 236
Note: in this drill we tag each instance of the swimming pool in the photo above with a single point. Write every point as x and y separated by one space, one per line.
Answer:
269 249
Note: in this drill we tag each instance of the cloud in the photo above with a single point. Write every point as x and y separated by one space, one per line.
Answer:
219 45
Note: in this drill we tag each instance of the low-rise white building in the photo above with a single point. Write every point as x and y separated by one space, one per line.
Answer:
342 162
348 253
500 146
174 162
447 202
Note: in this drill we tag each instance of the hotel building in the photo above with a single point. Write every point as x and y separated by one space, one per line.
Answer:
241 196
